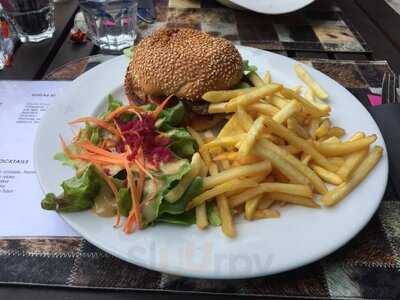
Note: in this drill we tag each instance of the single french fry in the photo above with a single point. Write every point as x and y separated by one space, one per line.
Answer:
304 169
266 214
293 199
345 147
204 154
332 139
227 225
236 172
336 131
279 162
310 82
230 185
251 136
298 142
268 187
337 194
294 126
251 97
337 161
309 95
231 127
353 160
263 108
255 79
326 175
225 164
277 101
256 178
244 119
297 89
323 129
287 111
305 158
223 141
265 202
291 149
217 108
313 126
251 206
201 216
267 77
222 96
308 106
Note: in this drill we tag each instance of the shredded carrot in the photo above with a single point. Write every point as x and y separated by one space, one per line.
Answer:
159 108
141 167
67 153
135 209
94 149
97 159
141 173
121 110
97 122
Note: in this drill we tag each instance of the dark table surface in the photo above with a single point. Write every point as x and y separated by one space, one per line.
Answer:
377 23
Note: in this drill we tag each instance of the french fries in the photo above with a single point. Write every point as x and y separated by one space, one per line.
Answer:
251 97
337 194
298 142
251 136
287 111
311 83
236 172
268 187
222 96
279 147
345 147
230 185
227 225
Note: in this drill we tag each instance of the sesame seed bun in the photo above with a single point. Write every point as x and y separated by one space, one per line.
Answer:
184 62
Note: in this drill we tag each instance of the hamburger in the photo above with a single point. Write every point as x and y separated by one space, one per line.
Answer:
185 63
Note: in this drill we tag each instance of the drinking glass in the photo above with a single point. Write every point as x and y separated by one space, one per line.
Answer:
32 19
111 23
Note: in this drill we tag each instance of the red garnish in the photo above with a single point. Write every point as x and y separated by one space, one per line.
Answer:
142 133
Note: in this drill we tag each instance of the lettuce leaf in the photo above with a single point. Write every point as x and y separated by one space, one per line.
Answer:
213 214
150 206
248 68
179 206
79 193
187 218
112 103
183 144
171 117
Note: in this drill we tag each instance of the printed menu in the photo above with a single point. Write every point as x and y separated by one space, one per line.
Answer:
22 104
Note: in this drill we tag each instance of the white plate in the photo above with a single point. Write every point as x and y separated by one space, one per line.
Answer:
299 237
272 6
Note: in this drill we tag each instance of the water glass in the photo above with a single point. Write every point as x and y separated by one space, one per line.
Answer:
32 19
111 23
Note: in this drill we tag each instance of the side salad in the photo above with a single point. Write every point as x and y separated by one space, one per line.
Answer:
137 163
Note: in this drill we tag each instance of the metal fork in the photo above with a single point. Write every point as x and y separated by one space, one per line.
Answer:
390 88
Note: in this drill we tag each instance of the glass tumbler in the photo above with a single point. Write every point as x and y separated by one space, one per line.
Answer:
111 23
32 19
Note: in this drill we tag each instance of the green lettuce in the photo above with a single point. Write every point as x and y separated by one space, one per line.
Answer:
183 144
79 193
124 202
178 207
187 218
248 68
213 214
171 117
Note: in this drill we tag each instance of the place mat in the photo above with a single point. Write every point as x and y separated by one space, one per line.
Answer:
367 267
395 4
319 27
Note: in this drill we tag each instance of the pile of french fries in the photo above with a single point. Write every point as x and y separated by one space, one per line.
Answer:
278 147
